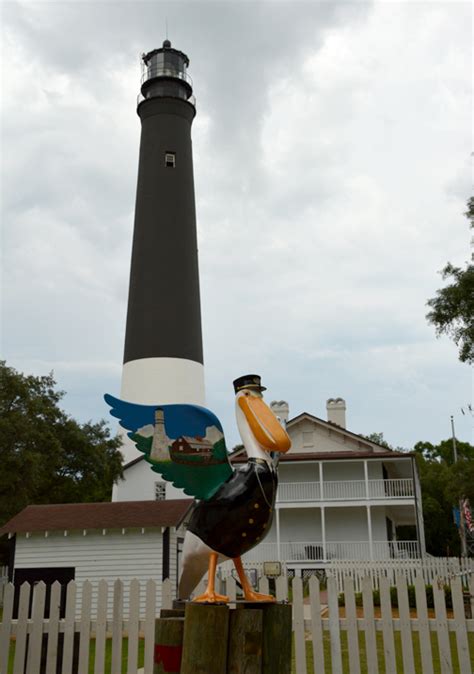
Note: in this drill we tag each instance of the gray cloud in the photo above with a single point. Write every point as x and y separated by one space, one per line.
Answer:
330 155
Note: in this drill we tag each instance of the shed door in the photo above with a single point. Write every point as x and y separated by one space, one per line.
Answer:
48 576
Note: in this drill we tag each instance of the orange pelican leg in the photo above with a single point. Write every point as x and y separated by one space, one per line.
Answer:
249 594
210 596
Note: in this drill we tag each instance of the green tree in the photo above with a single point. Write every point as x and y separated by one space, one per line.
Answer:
452 309
45 455
378 438
443 483
444 451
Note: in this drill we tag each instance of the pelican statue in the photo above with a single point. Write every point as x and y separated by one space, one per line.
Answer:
235 507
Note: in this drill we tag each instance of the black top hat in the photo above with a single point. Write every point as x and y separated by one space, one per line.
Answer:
251 381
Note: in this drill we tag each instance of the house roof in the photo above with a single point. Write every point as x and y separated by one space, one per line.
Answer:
134 461
335 427
117 515
331 456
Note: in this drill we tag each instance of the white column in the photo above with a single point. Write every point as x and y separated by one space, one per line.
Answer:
369 529
321 480
323 530
278 533
366 477
420 527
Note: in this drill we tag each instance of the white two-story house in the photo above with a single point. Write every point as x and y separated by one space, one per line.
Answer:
340 496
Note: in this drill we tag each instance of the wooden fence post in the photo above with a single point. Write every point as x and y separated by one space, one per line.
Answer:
168 645
245 641
277 637
206 631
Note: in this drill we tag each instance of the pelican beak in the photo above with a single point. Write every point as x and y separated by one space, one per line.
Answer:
263 423
282 439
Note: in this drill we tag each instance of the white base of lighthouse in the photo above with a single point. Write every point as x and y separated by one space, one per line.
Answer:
160 381
163 381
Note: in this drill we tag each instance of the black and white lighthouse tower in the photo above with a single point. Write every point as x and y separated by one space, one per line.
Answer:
163 360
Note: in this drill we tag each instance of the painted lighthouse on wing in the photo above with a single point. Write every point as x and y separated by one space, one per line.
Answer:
163 358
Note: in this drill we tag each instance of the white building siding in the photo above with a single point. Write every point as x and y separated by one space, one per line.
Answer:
139 485
96 557
379 523
309 436
375 470
343 470
298 472
346 524
299 524
341 524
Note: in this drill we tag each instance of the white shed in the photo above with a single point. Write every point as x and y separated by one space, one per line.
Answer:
95 541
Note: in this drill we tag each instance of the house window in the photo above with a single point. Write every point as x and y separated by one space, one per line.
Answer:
160 491
170 159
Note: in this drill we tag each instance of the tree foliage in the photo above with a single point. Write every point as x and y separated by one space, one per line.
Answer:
443 483
378 438
452 309
45 455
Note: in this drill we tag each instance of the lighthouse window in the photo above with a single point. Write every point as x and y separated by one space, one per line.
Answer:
170 159
160 491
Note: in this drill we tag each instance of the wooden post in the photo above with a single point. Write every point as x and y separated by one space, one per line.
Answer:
251 639
276 638
168 645
206 632
245 641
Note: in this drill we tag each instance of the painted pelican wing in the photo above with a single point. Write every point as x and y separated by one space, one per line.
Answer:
184 443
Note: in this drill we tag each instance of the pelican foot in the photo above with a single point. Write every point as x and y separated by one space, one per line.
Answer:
211 598
257 596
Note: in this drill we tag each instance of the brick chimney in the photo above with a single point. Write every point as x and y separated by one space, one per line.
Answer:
336 409
280 409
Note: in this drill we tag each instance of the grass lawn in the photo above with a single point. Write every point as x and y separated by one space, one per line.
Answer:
380 654
108 656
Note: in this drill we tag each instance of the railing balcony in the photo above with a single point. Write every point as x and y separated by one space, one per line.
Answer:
346 490
318 552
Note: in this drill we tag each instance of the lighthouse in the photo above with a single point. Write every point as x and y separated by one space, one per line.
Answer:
163 357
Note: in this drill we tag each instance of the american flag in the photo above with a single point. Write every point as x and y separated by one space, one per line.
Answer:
467 515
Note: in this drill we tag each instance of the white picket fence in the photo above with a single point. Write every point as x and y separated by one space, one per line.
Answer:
323 634
431 568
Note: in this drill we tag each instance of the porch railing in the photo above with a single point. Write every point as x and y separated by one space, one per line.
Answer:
345 490
316 551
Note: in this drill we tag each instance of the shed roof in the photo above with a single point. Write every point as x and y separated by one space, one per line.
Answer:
117 515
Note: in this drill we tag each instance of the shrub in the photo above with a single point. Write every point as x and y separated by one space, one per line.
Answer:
394 597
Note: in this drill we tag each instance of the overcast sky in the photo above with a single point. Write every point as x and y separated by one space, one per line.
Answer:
332 152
